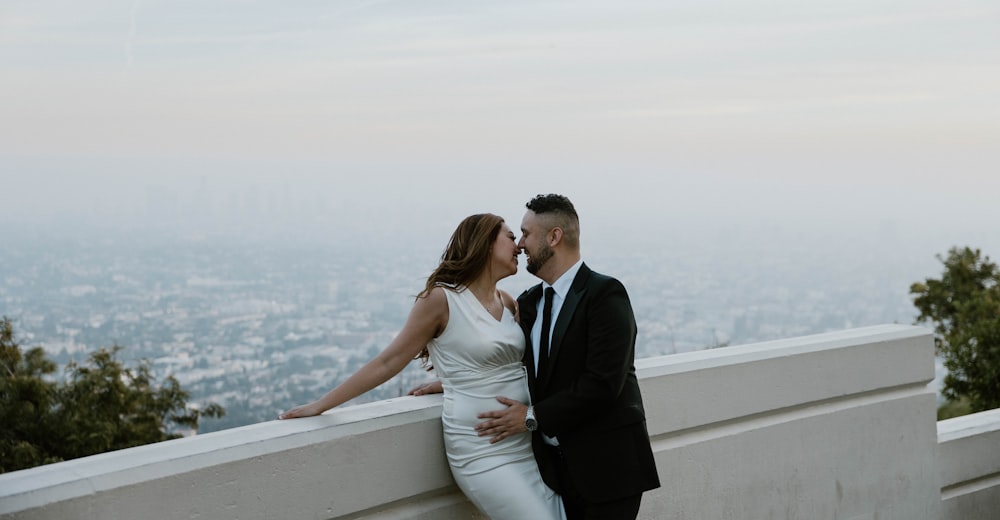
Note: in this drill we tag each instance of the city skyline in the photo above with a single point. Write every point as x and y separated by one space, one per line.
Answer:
260 327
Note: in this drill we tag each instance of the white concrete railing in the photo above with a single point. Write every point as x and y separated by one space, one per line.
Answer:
969 462
833 426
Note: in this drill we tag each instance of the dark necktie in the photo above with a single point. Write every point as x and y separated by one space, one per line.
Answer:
543 347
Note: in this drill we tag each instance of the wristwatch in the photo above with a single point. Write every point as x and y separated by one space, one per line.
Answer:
529 419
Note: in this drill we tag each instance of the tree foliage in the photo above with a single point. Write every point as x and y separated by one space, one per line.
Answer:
964 305
100 406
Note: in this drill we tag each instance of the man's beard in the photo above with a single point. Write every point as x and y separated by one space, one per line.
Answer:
536 261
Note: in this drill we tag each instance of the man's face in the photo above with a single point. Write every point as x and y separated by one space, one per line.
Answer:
534 243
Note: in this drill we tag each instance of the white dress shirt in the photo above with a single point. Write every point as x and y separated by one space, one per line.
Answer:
562 287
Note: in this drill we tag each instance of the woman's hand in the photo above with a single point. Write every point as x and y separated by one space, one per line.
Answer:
306 410
434 387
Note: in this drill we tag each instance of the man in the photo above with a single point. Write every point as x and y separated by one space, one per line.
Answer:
588 422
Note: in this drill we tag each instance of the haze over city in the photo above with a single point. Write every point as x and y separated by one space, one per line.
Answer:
782 151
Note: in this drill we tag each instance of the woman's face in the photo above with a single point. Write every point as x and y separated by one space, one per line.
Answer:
505 252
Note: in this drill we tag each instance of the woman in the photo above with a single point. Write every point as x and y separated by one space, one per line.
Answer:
466 327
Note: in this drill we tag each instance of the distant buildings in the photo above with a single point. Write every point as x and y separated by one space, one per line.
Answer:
258 328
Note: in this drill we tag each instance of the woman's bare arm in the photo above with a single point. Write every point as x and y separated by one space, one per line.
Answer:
426 320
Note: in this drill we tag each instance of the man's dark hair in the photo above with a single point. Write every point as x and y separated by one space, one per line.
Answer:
559 212
552 203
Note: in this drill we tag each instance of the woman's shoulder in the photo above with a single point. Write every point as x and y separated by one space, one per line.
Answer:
432 304
434 298
438 291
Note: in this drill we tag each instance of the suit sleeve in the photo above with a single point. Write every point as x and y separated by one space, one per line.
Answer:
609 332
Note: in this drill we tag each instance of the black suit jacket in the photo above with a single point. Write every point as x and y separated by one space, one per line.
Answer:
589 396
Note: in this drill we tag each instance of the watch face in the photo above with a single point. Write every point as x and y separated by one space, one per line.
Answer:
530 424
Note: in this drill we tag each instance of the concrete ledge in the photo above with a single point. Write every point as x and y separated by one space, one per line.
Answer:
345 464
745 380
969 461
836 425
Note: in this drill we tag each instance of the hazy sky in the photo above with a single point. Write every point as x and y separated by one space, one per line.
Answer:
647 113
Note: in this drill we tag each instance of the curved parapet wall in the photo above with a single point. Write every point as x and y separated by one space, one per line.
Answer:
832 426
969 459
838 425
352 463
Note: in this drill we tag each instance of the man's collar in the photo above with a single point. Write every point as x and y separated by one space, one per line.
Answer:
565 281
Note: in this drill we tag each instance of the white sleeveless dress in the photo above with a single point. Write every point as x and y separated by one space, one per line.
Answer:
478 358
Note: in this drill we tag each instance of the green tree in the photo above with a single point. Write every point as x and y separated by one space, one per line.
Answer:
100 406
26 404
964 305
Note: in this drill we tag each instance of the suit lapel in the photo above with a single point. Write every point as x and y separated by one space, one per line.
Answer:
576 292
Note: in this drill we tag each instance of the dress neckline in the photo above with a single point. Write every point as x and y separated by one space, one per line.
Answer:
503 308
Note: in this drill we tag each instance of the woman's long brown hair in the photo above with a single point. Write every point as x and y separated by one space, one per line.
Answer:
465 258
